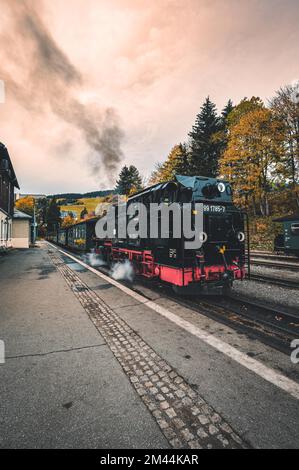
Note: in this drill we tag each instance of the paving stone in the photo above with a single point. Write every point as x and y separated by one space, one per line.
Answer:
194 445
163 424
202 434
164 405
170 412
187 435
203 419
180 393
212 429
178 423
179 411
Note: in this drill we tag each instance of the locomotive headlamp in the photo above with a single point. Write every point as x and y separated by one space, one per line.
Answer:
203 237
241 236
221 187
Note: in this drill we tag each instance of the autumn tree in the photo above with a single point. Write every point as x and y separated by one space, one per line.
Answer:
176 163
253 155
129 180
53 216
26 204
244 107
285 105
204 147
68 221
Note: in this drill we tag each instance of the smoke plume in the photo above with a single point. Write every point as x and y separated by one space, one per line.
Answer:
48 81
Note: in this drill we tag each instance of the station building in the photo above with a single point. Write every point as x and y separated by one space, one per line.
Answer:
21 229
8 181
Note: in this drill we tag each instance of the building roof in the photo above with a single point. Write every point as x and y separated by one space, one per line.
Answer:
4 156
287 218
21 215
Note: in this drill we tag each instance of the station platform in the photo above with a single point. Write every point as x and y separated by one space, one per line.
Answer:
90 363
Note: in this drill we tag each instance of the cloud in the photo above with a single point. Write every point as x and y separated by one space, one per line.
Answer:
75 62
50 81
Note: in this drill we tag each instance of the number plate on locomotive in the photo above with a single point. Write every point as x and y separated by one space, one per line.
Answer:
214 209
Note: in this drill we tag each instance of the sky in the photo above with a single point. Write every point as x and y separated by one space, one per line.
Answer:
91 85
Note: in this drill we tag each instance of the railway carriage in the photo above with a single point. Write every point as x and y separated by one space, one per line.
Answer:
81 236
288 240
62 237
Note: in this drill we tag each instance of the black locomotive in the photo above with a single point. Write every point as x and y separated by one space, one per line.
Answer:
216 264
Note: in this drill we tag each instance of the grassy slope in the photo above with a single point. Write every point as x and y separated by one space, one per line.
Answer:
89 203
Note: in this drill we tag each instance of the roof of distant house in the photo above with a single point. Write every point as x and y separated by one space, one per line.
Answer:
21 215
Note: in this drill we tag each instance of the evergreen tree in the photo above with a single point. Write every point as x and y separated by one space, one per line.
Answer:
228 108
53 216
129 180
222 135
84 212
204 145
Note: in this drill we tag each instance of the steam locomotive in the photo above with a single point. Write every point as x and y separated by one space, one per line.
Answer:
214 266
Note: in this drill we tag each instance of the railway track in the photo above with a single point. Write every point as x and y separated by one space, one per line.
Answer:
275 264
271 260
273 256
285 282
272 326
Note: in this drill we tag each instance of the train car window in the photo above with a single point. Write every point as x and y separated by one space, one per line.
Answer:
295 229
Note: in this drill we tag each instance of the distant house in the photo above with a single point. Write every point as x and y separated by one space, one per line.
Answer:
21 229
8 181
64 214
36 197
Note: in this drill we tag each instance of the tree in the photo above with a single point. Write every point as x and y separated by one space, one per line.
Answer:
84 213
156 174
129 181
26 204
53 216
244 107
177 163
221 136
228 108
253 156
285 105
68 221
204 145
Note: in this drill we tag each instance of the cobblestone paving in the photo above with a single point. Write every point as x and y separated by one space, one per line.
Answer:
185 419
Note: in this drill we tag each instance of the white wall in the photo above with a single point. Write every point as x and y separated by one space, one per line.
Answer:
5 231
20 233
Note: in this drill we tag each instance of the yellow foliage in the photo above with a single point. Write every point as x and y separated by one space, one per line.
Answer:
26 204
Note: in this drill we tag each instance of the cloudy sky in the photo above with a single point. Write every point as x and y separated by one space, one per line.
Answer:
93 84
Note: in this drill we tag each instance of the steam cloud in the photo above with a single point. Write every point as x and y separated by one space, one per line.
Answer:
93 259
48 81
123 271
